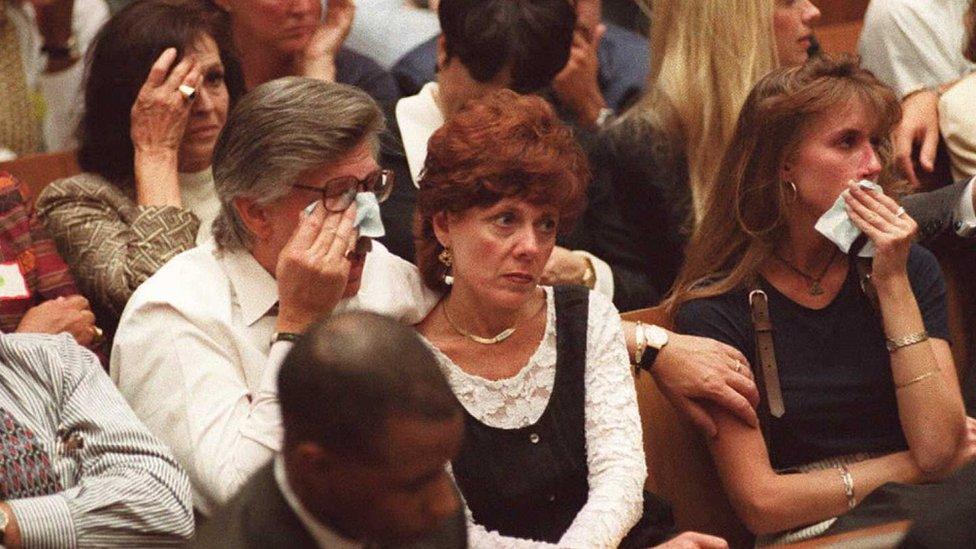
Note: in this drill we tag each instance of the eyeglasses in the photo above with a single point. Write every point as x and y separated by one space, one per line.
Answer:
339 193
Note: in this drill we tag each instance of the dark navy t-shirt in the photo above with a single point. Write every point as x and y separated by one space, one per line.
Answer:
834 369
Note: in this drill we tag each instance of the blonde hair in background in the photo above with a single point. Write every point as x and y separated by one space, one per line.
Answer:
705 57
746 214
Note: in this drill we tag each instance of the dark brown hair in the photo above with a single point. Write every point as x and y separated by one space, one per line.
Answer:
499 146
118 64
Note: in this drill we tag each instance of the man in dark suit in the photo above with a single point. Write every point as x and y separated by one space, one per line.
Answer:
370 425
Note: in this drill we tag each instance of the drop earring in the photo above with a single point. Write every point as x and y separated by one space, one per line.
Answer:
446 257
792 187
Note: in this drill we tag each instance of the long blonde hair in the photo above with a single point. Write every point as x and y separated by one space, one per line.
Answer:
746 213
705 57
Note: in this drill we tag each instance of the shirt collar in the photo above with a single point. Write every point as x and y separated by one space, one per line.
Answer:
418 117
321 533
255 288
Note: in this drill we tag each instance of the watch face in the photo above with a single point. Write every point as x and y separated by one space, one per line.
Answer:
657 337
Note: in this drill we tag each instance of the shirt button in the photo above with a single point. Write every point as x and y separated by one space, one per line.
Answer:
534 438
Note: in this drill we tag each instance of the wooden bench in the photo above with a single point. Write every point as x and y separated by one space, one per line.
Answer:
679 465
35 171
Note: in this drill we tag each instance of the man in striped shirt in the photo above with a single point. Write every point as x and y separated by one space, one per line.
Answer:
77 468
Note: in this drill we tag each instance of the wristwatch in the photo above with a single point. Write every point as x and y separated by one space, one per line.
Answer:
589 274
69 50
654 338
290 337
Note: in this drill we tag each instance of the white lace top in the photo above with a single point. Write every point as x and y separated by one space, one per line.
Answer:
615 454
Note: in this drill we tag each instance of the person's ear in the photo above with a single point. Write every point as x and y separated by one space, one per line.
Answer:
441 53
255 216
442 229
786 172
223 4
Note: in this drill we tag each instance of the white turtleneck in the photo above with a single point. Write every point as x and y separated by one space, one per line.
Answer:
200 197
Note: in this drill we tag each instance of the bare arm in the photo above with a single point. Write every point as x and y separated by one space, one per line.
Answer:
929 403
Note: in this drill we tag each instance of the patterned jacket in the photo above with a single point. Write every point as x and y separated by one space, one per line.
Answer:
112 244
24 241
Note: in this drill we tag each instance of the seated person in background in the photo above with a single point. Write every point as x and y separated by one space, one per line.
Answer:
882 404
37 293
604 74
916 46
387 29
494 44
146 146
956 110
552 450
369 426
79 470
291 38
41 46
199 342
661 156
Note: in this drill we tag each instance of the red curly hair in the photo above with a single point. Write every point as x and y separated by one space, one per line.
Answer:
499 146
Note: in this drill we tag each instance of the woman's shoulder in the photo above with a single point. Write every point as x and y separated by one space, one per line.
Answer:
732 305
88 186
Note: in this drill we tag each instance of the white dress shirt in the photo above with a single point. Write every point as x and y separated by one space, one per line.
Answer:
60 93
418 117
914 44
193 357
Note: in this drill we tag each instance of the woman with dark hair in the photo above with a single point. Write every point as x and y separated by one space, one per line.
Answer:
857 381
155 101
552 450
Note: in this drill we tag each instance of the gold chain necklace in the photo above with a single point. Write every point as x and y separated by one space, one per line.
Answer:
815 287
502 336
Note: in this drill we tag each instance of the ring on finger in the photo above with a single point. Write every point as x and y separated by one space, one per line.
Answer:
901 212
97 334
737 368
189 92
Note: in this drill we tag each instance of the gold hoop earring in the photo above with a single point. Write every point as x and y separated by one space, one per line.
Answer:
792 186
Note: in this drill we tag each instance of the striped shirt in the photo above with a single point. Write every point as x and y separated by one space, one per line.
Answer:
122 486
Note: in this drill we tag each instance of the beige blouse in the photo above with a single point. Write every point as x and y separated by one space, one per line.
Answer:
112 244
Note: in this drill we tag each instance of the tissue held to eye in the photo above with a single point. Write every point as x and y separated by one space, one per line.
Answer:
837 226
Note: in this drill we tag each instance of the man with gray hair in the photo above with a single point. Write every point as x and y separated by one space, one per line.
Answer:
199 343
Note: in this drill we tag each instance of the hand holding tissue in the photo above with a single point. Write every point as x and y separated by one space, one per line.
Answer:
837 226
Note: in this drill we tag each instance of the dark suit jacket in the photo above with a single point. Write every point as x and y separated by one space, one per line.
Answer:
951 522
933 210
623 56
258 517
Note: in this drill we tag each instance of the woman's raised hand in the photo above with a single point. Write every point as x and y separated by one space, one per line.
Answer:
161 111
887 225
318 60
159 117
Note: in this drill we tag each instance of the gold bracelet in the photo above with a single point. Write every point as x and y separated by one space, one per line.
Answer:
640 342
845 476
905 341
918 378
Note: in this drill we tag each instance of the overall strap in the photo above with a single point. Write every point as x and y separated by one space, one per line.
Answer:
762 325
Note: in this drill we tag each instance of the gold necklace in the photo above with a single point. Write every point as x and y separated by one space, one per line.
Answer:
502 336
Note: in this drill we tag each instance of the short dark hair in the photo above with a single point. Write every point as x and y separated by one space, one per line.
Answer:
349 374
533 37
498 146
118 63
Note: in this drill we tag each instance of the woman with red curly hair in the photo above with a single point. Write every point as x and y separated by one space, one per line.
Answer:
552 450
